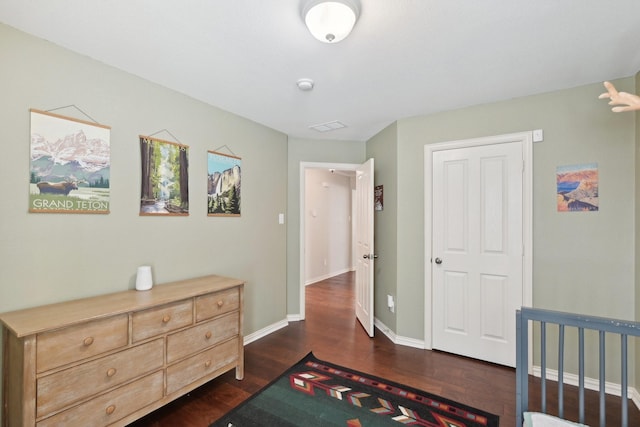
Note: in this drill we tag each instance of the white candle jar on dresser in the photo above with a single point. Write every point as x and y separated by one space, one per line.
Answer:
111 359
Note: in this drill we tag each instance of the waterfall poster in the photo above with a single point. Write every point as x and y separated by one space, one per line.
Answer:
70 165
577 188
223 184
165 177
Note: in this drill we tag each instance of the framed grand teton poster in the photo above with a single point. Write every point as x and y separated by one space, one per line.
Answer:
70 165
165 177
223 184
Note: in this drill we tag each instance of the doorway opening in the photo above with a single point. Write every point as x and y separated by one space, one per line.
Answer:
326 200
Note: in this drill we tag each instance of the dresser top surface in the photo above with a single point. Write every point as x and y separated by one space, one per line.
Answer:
34 320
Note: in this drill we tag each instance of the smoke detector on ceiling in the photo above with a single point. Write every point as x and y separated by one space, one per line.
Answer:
305 84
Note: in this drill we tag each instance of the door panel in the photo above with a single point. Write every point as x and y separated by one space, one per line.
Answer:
364 246
493 294
455 292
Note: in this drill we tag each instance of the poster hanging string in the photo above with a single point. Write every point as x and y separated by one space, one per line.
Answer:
77 108
172 135
228 149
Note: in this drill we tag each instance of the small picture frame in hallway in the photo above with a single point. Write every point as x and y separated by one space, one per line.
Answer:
378 197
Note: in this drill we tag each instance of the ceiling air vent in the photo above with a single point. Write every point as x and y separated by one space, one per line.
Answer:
329 126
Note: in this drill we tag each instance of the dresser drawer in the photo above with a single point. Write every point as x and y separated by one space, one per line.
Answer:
63 388
212 305
110 407
160 320
192 369
190 341
63 346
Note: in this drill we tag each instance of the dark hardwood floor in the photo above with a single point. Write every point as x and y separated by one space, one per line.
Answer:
333 334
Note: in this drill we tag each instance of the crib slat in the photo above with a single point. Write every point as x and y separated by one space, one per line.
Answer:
522 367
602 381
543 365
581 375
561 371
623 379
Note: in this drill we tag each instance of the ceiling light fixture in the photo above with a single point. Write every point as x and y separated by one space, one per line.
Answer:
330 21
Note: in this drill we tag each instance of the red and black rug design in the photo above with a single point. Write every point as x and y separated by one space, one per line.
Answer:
317 393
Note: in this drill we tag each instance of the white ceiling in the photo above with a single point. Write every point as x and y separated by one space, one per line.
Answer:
404 58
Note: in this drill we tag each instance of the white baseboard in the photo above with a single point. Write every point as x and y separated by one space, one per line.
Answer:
294 317
399 340
327 276
265 331
635 396
612 388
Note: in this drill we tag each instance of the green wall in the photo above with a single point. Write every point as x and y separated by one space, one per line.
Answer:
384 148
306 150
46 258
582 262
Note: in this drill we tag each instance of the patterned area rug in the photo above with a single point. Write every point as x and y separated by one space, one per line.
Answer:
318 393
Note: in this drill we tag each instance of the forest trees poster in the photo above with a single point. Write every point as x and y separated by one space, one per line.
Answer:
70 165
223 184
165 177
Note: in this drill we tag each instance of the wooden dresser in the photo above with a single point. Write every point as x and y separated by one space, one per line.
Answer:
109 360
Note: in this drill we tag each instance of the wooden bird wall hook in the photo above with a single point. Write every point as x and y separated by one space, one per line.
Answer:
629 101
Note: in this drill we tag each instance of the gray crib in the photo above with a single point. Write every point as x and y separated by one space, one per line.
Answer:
620 330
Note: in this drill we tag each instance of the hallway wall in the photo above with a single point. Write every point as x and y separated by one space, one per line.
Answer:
328 224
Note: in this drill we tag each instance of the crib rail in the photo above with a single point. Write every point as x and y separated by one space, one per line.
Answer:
621 328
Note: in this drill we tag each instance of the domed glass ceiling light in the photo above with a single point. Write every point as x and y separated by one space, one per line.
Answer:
330 21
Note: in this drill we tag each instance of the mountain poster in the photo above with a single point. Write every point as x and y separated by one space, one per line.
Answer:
70 165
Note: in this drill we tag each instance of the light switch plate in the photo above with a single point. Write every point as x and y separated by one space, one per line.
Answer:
538 135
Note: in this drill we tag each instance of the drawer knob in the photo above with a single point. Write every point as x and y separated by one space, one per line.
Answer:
207 364
111 372
220 304
166 318
110 409
207 335
87 341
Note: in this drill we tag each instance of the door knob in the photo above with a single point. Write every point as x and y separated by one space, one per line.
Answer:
369 256
438 261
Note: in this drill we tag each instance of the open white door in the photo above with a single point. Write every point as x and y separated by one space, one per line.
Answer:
364 245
